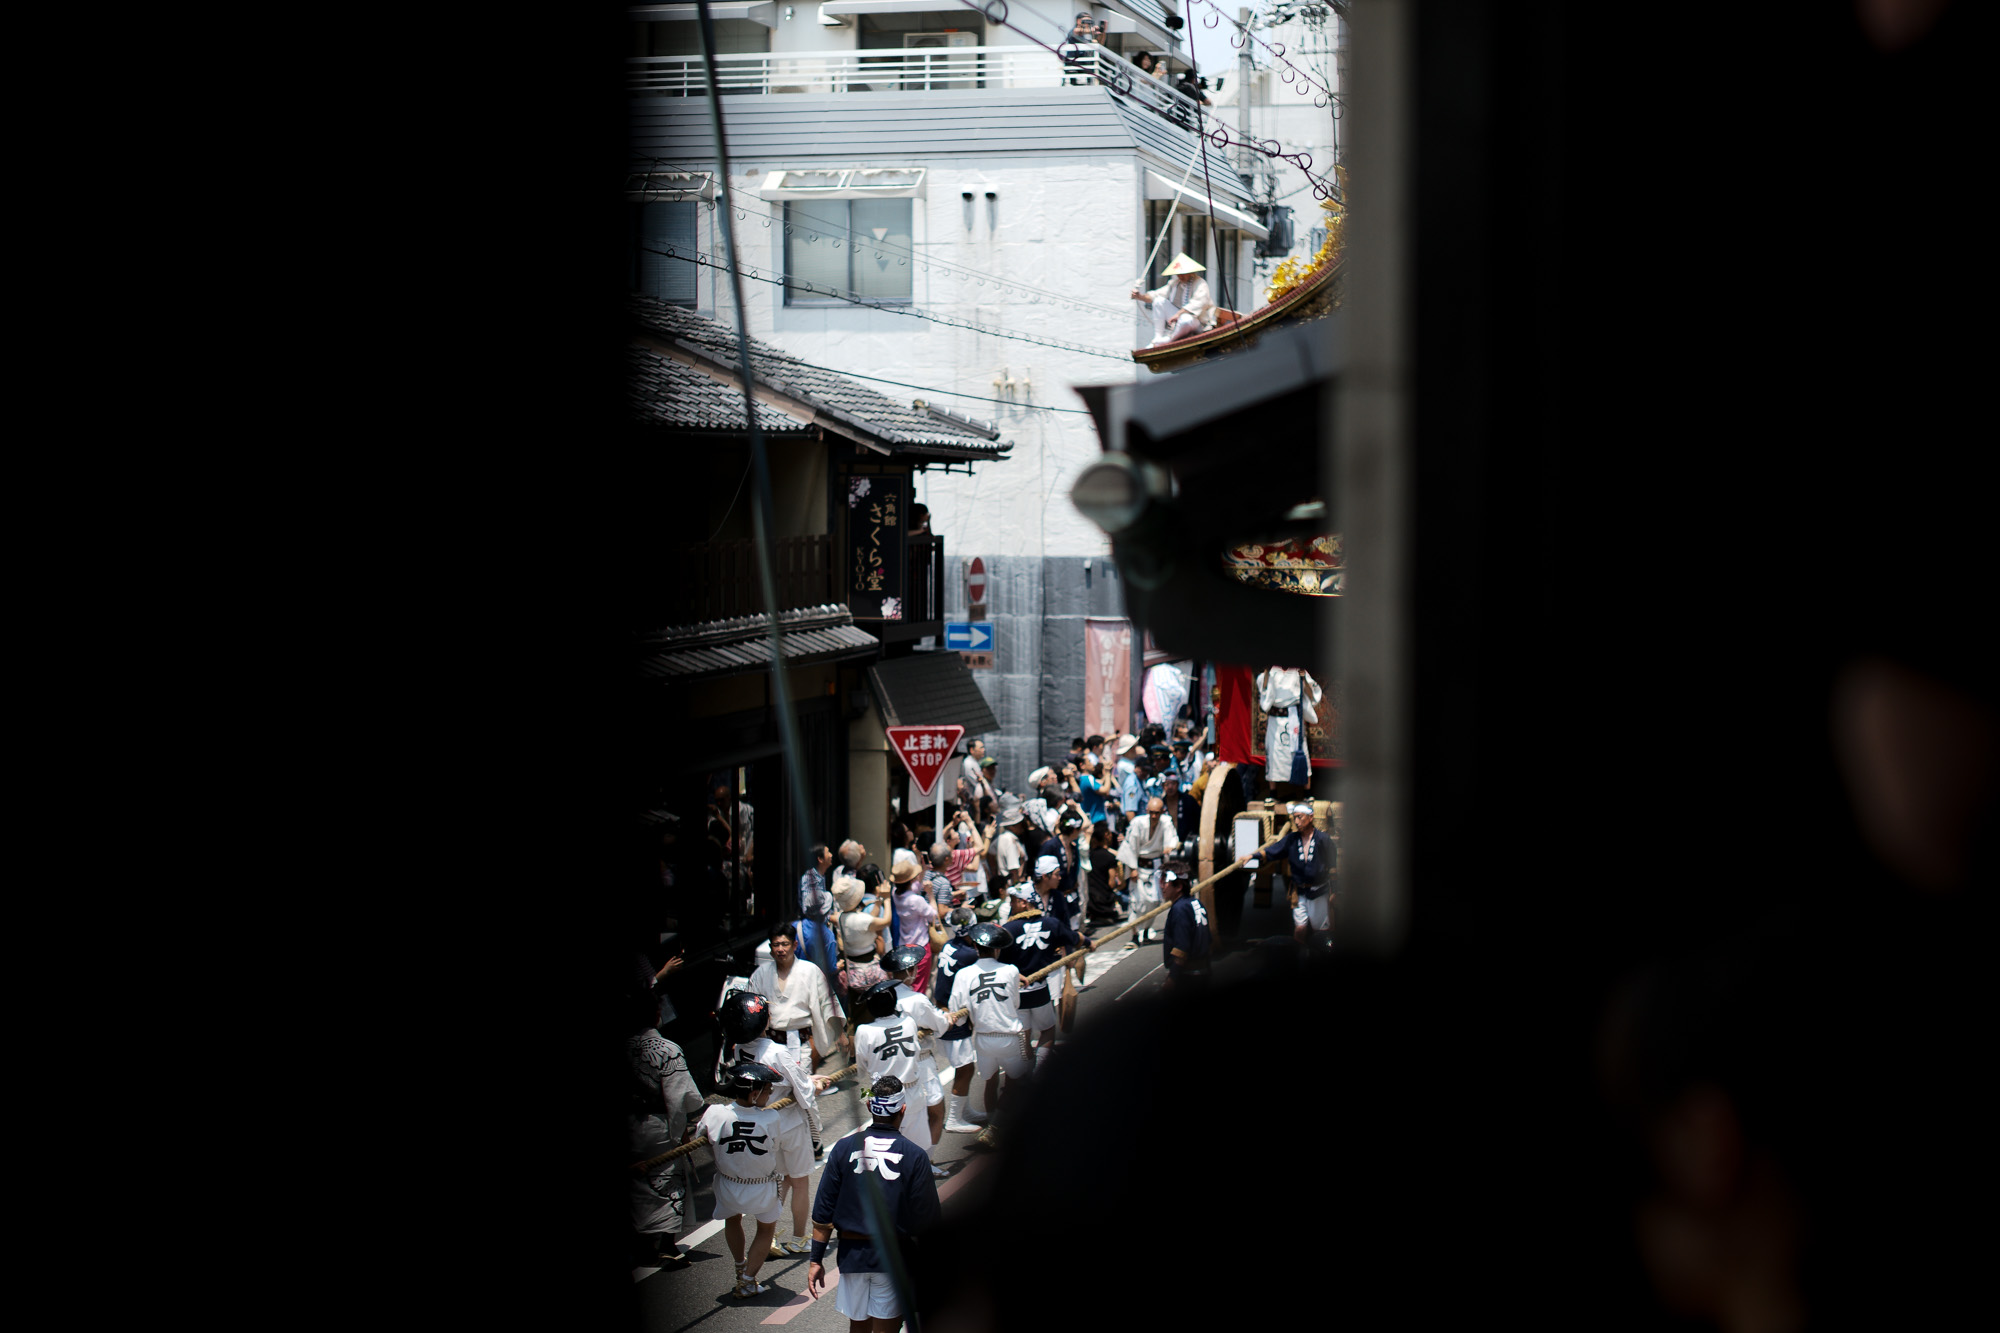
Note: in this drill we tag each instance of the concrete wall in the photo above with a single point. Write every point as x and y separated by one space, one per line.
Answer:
1035 688
1071 224
868 768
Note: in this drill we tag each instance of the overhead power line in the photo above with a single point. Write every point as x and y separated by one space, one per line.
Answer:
918 258
857 375
821 289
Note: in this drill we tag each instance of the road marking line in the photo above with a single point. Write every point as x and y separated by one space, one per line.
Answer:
1135 985
790 1310
964 1173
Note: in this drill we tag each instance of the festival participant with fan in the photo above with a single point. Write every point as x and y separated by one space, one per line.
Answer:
1183 306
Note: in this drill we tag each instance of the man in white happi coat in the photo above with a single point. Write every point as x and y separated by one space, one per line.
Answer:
1150 840
1183 305
804 1018
1287 697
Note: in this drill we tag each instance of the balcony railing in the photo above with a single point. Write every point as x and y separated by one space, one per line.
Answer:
718 580
890 71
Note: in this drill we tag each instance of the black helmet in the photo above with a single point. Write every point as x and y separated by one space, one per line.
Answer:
903 959
986 935
960 919
749 1076
879 1000
744 1015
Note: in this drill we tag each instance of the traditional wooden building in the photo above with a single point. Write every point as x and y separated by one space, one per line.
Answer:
858 593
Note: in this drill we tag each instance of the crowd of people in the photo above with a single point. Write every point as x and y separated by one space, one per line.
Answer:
925 976
1087 32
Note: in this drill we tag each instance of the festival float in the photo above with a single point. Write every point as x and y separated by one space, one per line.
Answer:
1299 292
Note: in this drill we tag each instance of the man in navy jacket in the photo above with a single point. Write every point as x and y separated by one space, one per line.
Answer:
877 1191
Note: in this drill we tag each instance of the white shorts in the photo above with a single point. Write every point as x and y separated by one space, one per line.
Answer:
866 1296
1313 912
1002 1053
795 1147
916 1124
958 1054
758 1201
1042 1018
933 1089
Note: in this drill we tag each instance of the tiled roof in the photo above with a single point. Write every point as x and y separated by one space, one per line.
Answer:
931 689
668 393
901 428
730 647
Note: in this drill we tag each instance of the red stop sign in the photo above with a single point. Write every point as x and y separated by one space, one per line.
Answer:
924 751
975 582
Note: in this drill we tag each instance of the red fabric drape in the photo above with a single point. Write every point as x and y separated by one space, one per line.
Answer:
1235 713
1239 722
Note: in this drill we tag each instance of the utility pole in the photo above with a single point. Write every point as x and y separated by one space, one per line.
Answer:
1339 75
1243 158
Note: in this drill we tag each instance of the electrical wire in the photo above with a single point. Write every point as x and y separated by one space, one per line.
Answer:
816 289
1242 334
1121 85
1330 97
856 375
902 255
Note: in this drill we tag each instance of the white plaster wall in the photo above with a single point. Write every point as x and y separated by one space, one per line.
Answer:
1071 224
803 32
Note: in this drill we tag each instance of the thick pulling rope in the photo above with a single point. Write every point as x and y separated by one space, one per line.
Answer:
688 1147
957 1015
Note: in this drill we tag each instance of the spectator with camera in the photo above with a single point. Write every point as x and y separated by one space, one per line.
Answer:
1075 50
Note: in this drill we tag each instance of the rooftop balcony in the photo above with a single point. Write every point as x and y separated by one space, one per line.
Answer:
918 70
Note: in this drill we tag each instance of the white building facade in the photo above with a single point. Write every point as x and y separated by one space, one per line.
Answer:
937 201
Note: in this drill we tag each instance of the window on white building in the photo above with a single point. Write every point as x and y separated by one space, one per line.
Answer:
858 246
656 229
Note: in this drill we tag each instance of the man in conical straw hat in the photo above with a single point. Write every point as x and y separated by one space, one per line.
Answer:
1183 305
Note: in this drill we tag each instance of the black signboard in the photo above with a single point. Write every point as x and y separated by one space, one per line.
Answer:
876 562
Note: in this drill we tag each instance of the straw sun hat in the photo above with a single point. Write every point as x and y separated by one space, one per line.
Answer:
1181 266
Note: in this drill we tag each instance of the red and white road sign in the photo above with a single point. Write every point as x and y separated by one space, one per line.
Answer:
975 582
924 751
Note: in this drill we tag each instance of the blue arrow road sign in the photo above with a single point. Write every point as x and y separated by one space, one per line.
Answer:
969 636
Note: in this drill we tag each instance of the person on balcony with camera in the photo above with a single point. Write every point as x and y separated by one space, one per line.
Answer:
1075 49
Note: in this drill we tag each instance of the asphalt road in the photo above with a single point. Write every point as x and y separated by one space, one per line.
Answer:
698 1296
